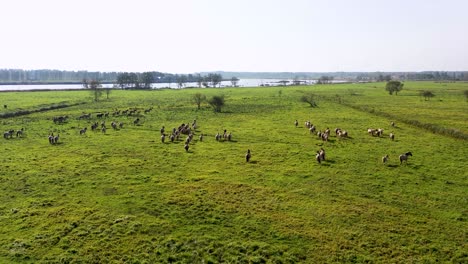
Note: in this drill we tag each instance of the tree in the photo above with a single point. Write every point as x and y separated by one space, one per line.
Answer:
426 94
147 79
394 87
181 80
384 78
134 80
108 91
85 83
123 80
206 81
199 98
215 79
234 81
128 80
169 80
296 81
95 87
217 102
199 80
325 79
309 98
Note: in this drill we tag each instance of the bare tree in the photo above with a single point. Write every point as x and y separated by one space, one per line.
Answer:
108 91
234 81
199 80
309 98
199 98
95 88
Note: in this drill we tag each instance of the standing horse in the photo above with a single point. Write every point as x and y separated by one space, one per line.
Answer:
404 157
248 156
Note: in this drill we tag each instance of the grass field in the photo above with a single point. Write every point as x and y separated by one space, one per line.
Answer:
126 197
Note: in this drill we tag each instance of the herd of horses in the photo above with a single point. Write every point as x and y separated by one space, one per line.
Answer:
340 133
189 129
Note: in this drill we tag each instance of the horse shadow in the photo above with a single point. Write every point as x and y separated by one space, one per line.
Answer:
228 141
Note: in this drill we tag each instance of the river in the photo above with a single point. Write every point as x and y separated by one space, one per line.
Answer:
241 83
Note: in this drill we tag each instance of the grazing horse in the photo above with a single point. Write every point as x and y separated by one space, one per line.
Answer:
186 147
312 129
404 157
385 159
322 153
380 132
337 131
318 157
8 134
60 119
94 126
82 131
51 138
324 136
85 116
343 133
248 155
19 133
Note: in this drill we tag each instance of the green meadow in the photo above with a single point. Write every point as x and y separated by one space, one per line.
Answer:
125 197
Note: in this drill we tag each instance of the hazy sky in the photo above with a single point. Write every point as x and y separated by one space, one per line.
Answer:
183 36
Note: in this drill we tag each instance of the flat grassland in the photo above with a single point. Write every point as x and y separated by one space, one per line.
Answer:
125 197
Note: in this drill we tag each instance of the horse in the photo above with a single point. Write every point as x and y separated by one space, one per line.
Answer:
404 157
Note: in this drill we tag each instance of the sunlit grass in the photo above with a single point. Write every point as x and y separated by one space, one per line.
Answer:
126 197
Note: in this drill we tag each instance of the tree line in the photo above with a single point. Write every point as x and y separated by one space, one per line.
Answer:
123 79
132 80
37 76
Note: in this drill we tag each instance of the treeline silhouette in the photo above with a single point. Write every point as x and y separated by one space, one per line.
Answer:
18 76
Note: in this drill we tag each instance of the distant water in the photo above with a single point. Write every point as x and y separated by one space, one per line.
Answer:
241 83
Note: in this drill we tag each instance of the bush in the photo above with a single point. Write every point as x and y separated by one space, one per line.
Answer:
217 102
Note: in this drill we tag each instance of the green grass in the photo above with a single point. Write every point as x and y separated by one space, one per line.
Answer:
125 197
448 109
